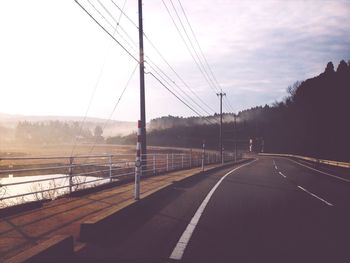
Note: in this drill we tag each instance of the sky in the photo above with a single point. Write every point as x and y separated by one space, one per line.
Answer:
55 60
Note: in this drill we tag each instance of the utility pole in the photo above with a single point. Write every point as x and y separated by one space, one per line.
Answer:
142 92
221 94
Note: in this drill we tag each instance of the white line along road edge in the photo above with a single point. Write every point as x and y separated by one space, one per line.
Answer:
317 197
322 172
186 235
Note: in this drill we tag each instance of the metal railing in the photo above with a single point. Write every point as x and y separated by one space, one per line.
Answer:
24 179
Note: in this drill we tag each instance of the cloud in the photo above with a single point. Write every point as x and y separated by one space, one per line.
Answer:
265 46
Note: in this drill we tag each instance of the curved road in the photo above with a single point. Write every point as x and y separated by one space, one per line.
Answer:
270 210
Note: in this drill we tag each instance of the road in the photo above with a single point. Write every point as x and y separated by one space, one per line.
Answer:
269 210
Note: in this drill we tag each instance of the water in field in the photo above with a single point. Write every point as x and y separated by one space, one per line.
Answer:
45 189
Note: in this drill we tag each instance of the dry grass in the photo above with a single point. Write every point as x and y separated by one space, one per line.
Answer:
124 153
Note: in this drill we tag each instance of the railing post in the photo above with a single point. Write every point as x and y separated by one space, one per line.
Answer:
191 158
110 169
172 161
154 164
182 161
70 171
167 162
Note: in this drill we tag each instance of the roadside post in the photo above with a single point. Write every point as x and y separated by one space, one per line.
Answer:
138 164
70 172
191 158
203 156
110 168
154 164
167 162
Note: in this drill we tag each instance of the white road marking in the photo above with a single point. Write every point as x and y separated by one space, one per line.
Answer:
322 172
306 191
312 194
274 163
186 235
282 174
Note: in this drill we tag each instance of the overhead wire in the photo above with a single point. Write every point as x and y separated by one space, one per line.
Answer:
226 100
162 57
116 104
199 62
129 53
211 83
177 96
151 61
187 46
97 81
116 21
104 29
178 87
199 46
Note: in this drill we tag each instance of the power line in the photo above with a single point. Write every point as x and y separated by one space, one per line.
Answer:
188 48
163 58
104 29
178 97
132 22
230 105
182 100
111 15
199 46
211 83
117 22
176 85
227 104
118 32
116 104
181 79
92 94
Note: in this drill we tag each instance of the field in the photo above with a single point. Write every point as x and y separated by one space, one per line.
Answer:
15 158
21 150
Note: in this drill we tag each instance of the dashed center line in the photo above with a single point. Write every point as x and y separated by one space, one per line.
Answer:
303 189
282 174
274 163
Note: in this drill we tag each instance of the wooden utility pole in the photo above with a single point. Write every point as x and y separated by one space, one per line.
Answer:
221 94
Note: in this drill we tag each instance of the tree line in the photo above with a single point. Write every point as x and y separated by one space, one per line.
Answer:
312 120
56 132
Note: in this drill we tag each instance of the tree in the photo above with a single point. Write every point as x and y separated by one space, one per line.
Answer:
98 131
342 67
291 90
329 68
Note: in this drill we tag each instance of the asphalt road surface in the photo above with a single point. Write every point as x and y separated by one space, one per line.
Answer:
268 210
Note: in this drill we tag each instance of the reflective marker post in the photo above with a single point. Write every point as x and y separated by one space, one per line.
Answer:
138 164
203 156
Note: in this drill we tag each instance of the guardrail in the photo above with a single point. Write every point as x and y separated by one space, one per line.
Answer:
318 161
24 179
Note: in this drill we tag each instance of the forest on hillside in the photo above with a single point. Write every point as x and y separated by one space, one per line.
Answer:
312 120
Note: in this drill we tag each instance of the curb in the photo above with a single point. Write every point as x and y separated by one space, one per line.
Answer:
52 250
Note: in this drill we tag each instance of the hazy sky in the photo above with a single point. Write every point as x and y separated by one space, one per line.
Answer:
52 54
